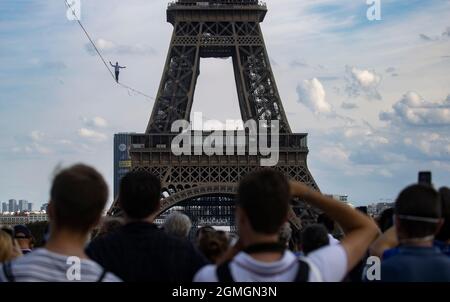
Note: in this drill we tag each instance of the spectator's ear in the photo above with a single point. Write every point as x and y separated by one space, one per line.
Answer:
398 226
97 222
241 216
50 211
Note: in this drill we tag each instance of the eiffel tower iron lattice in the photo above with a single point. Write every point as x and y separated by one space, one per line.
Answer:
217 29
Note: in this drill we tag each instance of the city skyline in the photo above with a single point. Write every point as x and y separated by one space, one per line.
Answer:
373 96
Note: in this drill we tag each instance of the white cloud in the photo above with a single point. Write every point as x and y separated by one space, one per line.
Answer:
36 135
362 82
413 110
95 122
32 149
312 94
92 134
109 47
42 149
334 154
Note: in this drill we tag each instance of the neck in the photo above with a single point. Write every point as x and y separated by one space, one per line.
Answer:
148 219
67 242
256 238
418 242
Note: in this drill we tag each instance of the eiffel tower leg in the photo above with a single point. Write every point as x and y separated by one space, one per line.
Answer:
176 90
258 94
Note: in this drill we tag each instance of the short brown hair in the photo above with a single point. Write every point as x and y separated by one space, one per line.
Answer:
264 196
78 197
421 201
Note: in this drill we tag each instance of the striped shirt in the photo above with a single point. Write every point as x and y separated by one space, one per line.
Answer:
41 265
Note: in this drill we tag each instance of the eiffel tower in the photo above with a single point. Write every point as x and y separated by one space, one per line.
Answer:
205 186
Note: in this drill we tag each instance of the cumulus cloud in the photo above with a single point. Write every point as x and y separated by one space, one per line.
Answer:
109 47
95 122
36 144
334 154
312 94
413 110
92 134
362 82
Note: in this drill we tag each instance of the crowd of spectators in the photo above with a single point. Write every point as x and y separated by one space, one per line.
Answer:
412 240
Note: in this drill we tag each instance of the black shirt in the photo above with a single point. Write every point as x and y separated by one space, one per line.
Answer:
140 251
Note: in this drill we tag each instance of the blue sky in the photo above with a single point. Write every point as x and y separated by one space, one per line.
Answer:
373 96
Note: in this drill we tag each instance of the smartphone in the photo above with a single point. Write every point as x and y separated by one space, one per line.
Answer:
425 178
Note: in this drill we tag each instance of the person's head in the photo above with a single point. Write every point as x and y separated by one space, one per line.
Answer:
213 245
109 225
177 224
418 213
326 221
202 231
77 198
386 219
139 195
314 237
23 236
6 245
444 232
285 234
117 63
262 203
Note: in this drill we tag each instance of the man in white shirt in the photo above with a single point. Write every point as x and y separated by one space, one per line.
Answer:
78 197
262 208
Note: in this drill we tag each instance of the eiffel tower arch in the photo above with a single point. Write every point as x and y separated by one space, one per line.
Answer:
212 29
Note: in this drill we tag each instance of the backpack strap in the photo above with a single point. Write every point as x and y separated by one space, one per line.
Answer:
303 272
223 273
102 276
7 271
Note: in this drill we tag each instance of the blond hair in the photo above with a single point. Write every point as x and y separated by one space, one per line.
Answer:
6 247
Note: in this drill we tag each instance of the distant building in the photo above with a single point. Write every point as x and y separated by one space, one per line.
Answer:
122 159
22 218
377 208
30 207
12 205
37 216
23 205
44 207
343 198
4 207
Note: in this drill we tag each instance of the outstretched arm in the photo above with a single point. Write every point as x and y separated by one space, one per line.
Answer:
386 241
122 67
111 64
360 231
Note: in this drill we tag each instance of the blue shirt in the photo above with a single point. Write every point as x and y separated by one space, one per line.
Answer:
444 247
416 264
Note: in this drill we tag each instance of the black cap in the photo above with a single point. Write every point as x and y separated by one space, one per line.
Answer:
21 231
